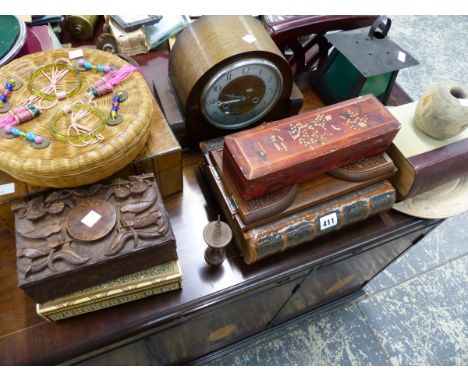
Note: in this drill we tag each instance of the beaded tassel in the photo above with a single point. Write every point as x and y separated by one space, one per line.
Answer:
17 116
10 85
106 85
86 65
115 118
115 105
31 137
7 92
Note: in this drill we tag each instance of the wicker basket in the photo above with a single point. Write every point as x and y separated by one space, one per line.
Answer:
62 164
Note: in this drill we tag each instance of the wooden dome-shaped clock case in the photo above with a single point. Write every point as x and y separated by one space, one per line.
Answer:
210 44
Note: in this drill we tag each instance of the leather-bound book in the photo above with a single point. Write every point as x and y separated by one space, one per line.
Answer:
424 162
71 239
274 235
304 226
282 153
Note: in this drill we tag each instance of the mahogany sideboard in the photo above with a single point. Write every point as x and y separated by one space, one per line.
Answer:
216 307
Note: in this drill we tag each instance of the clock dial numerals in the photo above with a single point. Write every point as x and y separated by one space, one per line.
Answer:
241 94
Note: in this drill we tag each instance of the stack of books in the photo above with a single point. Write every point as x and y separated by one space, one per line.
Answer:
288 182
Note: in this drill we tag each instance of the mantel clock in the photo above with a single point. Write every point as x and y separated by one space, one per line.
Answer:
228 75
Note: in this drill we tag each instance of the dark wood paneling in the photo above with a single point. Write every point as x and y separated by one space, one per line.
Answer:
331 281
221 327
134 354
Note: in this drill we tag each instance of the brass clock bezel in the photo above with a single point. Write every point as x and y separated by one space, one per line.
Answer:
230 67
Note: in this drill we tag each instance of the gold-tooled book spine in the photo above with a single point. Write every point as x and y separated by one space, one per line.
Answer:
56 315
305 226
120 289
159 275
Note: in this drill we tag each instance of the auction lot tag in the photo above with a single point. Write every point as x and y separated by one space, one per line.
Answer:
91 219
7 188
328 221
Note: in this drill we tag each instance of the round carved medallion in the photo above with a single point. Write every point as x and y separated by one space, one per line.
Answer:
91 220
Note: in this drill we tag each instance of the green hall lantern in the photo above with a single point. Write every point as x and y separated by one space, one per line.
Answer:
363 61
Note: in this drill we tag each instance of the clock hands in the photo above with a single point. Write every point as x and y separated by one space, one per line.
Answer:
236 99
233 96
228 102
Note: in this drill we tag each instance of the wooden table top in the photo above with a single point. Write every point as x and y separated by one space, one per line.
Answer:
25 338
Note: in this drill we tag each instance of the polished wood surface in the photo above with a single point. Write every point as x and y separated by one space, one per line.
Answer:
162 155
278 154
231 323
25 338
344 276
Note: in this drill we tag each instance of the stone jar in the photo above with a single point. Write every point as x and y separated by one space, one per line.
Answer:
442 112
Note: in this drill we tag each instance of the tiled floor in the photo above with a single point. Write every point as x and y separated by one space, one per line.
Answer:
422 321
415 312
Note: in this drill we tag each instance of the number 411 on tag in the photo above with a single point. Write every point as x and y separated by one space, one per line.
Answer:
328 221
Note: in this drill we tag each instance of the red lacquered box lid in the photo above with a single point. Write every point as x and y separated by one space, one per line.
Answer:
284 152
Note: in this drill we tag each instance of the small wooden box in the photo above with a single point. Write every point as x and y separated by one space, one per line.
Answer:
11 190
72 239
162 155
282 153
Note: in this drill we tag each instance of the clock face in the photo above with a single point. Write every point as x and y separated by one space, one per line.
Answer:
241 93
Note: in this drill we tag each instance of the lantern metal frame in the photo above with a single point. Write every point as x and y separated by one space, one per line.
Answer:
377 55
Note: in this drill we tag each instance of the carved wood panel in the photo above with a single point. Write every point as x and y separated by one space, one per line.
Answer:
71 239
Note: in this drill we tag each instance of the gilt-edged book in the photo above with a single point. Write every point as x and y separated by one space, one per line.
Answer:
152 281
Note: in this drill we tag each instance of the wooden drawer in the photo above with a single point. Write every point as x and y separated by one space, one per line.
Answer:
334 280
220 327
135 354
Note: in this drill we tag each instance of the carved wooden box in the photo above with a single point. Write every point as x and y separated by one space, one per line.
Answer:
72 239
278 154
